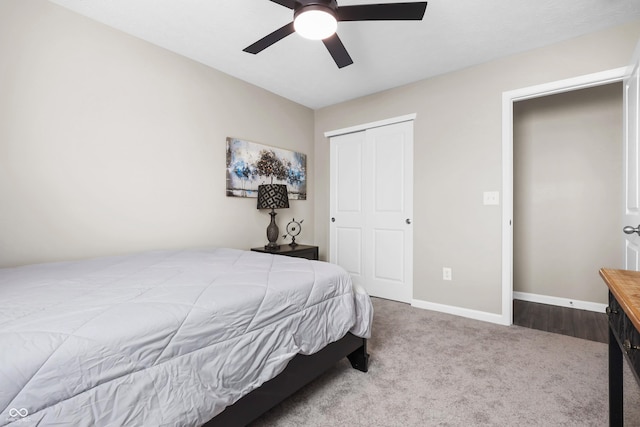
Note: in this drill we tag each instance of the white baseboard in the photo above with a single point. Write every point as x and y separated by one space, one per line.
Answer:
463 312
562 302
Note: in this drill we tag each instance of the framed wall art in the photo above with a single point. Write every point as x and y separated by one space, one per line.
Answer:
250 164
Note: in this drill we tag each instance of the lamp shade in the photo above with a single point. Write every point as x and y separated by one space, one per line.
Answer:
272 196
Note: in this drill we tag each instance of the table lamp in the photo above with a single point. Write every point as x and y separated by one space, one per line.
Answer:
272 196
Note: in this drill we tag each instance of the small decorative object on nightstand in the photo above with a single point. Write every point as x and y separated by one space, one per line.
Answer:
298 251
293 229
272 196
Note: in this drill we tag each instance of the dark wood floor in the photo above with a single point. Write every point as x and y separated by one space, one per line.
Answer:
584 324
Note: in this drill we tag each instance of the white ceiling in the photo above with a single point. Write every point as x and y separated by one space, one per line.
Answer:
454 34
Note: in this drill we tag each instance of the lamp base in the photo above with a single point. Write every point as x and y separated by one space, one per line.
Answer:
273 232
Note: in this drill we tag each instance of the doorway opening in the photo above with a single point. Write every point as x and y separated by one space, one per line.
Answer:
567 171
509 98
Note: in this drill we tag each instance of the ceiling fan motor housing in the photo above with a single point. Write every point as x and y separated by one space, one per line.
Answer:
329 6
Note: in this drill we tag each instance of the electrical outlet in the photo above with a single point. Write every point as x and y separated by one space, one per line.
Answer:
491 198
446 273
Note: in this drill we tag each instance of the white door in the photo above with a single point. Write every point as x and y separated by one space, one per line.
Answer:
346 231
632 165
371 233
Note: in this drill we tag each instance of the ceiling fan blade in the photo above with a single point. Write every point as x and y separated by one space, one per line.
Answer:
286 3
270 39
383 12
338 51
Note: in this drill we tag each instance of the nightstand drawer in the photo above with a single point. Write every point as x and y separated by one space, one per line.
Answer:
306 253
297 251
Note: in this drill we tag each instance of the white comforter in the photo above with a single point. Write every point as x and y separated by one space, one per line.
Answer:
161 338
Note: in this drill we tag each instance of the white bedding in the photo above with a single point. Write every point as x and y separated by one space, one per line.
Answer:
165 338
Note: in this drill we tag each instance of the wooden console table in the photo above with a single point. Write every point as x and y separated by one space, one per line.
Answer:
624 323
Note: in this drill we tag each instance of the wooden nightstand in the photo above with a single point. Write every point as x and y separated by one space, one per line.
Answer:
298 251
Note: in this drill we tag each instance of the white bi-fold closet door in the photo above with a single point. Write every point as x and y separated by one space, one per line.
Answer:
371 206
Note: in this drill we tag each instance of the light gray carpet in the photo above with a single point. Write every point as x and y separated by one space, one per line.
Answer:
434 369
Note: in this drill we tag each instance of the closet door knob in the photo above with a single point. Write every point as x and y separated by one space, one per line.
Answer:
333 219
408 221
630 230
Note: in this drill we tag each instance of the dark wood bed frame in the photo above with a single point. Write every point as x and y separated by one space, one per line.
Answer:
300 371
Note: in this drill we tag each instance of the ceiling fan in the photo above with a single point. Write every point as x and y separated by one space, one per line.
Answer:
318 20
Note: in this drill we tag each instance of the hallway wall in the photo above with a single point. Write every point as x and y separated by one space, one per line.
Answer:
568 192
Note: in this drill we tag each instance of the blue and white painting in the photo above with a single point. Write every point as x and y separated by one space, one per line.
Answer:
250 164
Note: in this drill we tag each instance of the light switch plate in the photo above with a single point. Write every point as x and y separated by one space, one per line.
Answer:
491 198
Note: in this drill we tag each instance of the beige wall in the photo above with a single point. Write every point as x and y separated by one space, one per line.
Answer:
568 192
458 156
109 144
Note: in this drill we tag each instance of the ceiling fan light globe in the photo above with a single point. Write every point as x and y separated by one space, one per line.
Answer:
315 24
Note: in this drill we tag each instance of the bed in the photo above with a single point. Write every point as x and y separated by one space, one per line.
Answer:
171 338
